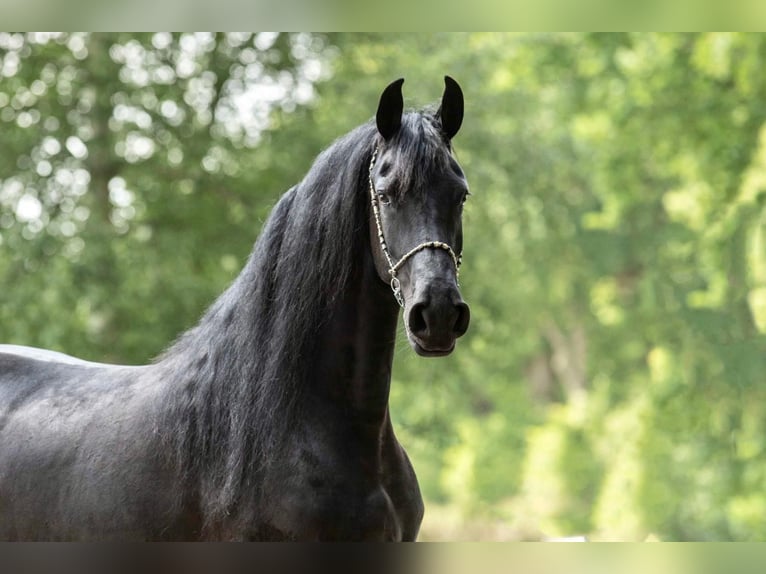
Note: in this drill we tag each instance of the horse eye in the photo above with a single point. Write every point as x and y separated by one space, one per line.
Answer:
465 197
383 198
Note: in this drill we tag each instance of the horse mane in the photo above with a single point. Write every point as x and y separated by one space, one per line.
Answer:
238 377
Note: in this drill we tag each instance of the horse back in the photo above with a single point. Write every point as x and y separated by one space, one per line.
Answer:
80 455
16 351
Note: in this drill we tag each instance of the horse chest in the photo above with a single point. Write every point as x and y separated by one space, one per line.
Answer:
326 493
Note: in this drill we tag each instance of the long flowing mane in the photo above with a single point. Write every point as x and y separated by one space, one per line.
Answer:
249 353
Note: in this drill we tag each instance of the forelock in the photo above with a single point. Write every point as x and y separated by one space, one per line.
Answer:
419 149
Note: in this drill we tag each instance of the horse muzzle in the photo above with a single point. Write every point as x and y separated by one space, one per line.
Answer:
435 319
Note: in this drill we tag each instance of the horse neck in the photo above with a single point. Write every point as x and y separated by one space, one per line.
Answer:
357 347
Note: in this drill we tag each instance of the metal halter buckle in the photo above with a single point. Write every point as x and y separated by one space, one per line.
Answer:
397 289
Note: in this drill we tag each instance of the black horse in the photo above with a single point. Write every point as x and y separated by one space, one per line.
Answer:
268 420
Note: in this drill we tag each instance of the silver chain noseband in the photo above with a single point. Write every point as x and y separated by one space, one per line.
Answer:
393 268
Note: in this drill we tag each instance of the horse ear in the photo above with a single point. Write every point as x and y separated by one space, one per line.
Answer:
451 109
390 108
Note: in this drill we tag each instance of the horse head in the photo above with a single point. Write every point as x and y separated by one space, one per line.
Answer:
417 190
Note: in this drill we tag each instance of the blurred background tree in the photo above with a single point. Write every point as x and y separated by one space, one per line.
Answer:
612 379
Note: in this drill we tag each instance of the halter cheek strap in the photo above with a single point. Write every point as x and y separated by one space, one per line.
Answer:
393 268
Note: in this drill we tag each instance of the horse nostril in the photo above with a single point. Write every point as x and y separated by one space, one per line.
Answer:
417 321
462 319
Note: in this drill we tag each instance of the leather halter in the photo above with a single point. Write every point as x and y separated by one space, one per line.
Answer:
393 268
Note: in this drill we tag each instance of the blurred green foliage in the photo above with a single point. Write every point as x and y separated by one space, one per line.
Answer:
615 261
